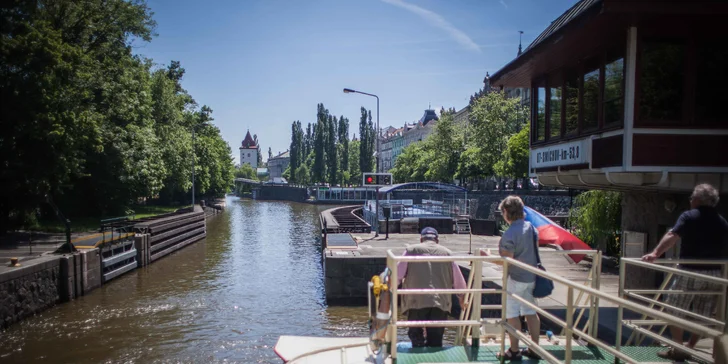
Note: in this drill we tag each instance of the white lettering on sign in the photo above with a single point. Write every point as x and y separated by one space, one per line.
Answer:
560 154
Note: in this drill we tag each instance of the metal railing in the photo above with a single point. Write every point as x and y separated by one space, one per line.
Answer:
569 326
642 328
474 295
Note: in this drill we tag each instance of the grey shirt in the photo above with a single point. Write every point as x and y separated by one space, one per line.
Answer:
519 240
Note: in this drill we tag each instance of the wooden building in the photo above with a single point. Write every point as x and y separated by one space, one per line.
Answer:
629 95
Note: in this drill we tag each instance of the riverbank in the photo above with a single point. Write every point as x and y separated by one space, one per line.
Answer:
43 279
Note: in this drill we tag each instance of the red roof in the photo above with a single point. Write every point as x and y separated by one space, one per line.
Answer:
248 142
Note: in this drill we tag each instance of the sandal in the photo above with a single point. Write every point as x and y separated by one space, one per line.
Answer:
511 355
529 353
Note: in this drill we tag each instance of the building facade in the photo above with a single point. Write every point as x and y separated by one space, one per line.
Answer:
277 165
623 99
249 151
393 141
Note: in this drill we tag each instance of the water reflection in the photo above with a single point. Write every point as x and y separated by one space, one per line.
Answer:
255 277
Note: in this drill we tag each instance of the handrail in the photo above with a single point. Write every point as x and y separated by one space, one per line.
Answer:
661 265
659 317
476 306
619 301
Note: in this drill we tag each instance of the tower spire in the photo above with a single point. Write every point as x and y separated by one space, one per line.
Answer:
520 33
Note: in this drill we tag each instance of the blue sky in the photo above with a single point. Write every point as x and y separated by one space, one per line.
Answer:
261 64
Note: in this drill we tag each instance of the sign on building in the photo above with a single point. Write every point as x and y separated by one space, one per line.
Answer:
561 154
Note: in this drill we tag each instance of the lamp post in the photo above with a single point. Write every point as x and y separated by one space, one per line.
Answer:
193 162
350 91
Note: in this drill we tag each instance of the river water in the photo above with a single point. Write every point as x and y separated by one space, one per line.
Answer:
229 297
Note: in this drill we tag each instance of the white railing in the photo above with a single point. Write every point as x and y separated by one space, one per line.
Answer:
569 326
643 328
476 280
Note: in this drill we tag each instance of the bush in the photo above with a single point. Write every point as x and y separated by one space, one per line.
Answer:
597 216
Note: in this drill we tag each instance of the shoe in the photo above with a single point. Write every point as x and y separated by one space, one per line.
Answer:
673 355
511 355
530 354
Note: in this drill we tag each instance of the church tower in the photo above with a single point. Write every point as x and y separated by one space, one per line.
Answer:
249 151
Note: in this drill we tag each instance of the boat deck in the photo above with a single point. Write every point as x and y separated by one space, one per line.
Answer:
487 354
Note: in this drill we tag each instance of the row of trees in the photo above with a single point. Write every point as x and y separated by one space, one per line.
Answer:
325 154
494 141
89 123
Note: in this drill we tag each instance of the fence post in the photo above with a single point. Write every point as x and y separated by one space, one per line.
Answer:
476 312
620 310
569 324
504 300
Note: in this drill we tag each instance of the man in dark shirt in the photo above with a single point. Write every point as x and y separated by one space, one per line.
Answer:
704 234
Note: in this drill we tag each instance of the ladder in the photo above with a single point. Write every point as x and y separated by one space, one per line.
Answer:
462 225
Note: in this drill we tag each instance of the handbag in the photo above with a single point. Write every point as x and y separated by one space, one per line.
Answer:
544 286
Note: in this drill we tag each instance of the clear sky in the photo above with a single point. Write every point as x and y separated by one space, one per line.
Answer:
261 64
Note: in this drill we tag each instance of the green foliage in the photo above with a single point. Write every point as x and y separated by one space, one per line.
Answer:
354 171
514 161
493 119
303 175
596 216
367 141
90 123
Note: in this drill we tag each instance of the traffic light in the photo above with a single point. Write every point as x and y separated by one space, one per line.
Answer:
377 179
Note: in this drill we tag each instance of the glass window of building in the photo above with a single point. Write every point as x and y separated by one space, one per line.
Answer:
661 82
555 112
711 77
591 99
614 91
571 98
540 114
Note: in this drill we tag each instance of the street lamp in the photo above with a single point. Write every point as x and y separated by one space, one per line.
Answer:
350 91
193 162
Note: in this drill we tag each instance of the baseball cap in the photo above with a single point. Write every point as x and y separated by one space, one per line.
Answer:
429 232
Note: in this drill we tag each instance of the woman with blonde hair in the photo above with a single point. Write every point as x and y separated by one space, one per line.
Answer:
520 243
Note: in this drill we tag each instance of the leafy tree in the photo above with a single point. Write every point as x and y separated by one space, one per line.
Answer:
367 141
319 148
344 142
354 171
493 119
302 174
596 217
90 123
332 159
514 162
445 146
245 171
412 165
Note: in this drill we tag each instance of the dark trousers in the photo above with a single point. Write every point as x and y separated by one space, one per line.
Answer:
433 335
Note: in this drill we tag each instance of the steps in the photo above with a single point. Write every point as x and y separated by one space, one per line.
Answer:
462 225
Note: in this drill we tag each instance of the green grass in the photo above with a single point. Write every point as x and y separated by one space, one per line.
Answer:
91 223
141 212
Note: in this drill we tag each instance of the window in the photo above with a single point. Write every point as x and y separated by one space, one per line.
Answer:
572 105
248 155
591 99
711 77
540 114
661 81
614 92
555 112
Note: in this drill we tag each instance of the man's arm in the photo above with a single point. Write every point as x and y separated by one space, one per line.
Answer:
667 242
401 270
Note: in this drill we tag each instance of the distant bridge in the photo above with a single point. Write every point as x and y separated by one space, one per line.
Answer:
248 181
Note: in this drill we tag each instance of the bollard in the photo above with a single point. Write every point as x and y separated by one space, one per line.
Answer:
14 262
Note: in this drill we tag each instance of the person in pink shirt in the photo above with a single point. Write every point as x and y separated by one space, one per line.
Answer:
430 275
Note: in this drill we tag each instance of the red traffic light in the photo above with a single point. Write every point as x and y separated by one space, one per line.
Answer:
370 179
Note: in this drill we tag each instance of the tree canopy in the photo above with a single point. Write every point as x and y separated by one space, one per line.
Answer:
88 122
